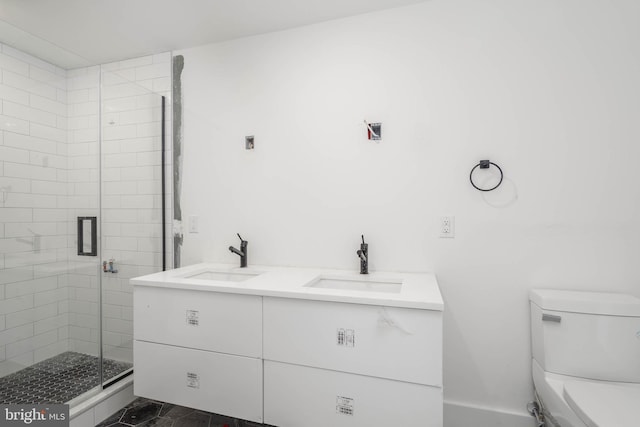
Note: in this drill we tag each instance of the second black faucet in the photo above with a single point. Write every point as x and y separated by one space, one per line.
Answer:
363 254
242 252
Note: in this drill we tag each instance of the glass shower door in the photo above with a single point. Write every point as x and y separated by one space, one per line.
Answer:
132 125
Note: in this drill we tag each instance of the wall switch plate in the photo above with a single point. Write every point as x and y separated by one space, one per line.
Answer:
193 223
447 226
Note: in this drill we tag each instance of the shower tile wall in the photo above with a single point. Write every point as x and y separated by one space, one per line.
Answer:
49 174
33 210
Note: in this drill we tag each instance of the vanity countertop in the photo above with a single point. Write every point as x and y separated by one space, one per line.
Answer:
392 289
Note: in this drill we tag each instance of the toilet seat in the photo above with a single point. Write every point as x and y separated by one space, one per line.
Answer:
601 404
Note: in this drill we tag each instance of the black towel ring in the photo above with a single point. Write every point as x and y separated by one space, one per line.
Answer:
485 164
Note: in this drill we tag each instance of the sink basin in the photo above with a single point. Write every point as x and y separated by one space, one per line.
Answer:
224 276
356 284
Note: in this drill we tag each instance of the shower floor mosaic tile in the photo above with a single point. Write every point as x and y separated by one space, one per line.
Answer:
57 379
146 413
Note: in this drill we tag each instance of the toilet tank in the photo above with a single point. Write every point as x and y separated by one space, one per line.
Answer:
586 334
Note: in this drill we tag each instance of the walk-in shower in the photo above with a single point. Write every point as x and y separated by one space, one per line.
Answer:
82 209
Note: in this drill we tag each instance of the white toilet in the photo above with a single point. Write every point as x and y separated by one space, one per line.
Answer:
586 357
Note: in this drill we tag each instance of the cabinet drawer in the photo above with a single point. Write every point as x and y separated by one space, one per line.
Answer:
226 323
395 343
214 382
298 396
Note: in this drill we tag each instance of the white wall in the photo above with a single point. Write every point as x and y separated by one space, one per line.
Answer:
546 89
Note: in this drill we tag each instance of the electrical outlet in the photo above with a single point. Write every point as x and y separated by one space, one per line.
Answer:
447 226
193 223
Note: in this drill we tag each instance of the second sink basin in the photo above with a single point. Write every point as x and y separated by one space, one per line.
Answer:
357 284
224 276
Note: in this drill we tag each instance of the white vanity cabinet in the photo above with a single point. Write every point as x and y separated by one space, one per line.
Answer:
292 347
338 364
199 349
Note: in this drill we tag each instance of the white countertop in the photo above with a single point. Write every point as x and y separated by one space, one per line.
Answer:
417 290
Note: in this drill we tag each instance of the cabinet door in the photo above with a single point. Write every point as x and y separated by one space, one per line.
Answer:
205 380
396 343
227 323
298 396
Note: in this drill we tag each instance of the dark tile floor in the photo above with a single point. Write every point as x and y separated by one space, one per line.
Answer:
57 379
145 412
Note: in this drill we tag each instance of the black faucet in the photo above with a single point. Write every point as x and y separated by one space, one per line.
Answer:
242 252
363 253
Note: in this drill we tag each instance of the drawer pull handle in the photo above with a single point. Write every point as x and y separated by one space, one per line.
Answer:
390 321
551 318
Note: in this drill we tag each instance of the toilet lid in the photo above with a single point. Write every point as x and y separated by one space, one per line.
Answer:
604 405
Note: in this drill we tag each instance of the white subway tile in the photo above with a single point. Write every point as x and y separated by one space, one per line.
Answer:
150 244
150 216
14 65
28 142
27 229
147 84
162 84
61 96
140 173
90 295
86 81
48 105
119 160
150 100
31 344
13 124
15 215
82 202
61 123
78 149
17 170
29 287
112 229
119 188
15 334
85 189
47 160
111 78
119 132
31 315
141 230
122 91
153 71
149 187
149 158
52 323
135 62
140 201
120 215
118 243
119 325
50 78
77 96
30 59
49 215
85 135
120 104
22 244
24 112
9 154
111 174
141 145
86 320
12 305
48 132
13 94
29 85
25 200
83 162
18 185
49 297
83 109
26 259
111 147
